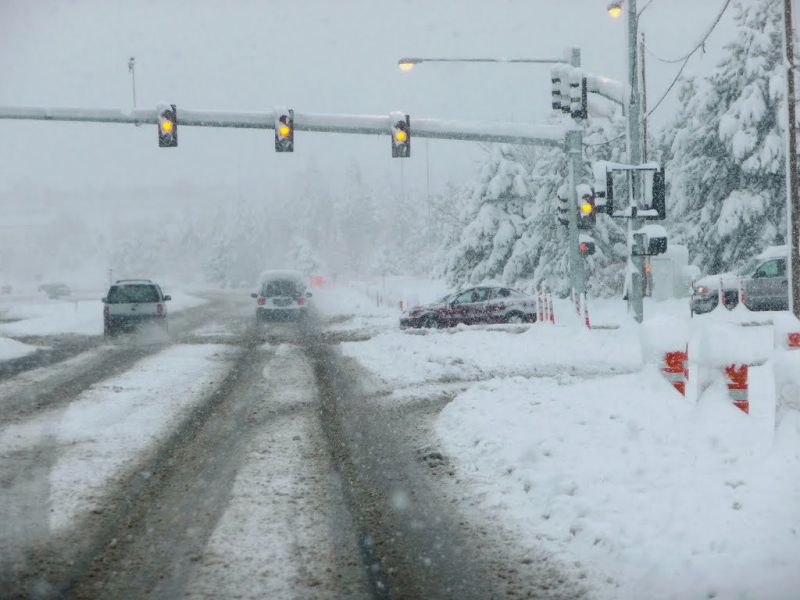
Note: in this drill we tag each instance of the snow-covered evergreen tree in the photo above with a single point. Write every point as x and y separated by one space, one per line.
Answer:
724 151
512 233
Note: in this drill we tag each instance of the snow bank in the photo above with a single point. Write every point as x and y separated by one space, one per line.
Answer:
13 349
82 317
642 492
469 353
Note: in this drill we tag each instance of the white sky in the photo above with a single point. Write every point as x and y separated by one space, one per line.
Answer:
314 56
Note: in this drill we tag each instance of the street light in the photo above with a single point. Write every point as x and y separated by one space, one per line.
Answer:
406 64
615 9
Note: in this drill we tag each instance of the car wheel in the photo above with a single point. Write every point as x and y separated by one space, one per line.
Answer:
430 322
515 318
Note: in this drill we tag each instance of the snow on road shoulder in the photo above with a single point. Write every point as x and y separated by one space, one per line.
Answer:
10 349
468 353
105 430
69 316
646 494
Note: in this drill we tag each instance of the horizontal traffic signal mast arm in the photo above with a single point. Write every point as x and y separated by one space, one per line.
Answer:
480 131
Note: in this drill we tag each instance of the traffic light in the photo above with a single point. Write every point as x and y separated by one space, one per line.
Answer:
587 211
284 129
556 75
167 126
562 209
401 136
586 245
578 98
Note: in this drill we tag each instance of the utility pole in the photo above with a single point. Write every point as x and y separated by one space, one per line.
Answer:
792 196
636 289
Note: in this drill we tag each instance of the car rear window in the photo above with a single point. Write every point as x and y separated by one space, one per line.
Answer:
123 294
281 287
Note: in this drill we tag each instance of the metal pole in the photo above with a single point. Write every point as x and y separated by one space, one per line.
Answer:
132 69
792 195
574 143
636 291
575 163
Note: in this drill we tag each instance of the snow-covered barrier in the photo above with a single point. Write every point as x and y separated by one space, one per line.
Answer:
786 365
664 342
726 351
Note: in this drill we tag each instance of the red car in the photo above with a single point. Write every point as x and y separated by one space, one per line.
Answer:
484 304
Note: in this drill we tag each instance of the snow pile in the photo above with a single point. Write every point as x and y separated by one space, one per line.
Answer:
471 353
13 349
626 482
82 317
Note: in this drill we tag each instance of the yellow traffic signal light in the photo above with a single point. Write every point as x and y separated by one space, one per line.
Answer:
167 126
586 208
284 129
401 135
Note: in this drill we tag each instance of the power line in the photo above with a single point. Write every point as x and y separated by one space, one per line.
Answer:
685 59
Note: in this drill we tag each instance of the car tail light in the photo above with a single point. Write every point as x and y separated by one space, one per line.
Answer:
106 311
262 301
301 301
160 309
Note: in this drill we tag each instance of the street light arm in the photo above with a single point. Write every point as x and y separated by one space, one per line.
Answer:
416 61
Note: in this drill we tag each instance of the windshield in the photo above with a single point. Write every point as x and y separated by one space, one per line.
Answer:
748 268
281 287
132 293
306 415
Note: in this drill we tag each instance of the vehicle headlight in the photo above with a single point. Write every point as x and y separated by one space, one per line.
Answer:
702 290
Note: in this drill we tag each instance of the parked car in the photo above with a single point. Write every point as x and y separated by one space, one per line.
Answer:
55 290
483 304
281 295
131 303
764 279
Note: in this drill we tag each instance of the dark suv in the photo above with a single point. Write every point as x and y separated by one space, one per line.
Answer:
132 302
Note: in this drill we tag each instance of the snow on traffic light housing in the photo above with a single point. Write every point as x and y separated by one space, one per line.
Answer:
401 135
167 126
578 95
562 208
556 75
610 177
284 129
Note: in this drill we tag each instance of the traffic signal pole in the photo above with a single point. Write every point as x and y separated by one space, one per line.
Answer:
478 131
575 166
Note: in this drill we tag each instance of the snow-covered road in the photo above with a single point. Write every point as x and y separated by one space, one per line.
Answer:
345 458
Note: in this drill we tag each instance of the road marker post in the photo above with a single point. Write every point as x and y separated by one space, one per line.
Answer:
738 387
675 370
